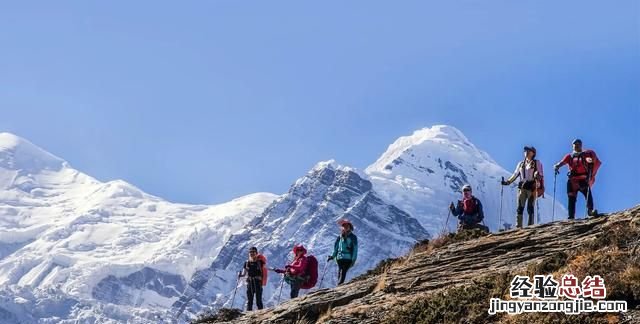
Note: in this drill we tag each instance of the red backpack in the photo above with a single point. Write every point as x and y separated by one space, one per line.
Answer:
539 181
312 272
469 206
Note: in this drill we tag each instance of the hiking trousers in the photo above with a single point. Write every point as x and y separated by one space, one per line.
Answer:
528 197
254 288
343 267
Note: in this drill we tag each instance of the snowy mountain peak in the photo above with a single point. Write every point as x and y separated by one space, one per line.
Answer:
334 166
444 132
17 152
426 141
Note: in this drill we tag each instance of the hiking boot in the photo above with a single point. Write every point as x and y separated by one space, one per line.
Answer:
593 213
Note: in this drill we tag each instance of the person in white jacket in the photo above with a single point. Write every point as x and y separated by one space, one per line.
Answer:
530 173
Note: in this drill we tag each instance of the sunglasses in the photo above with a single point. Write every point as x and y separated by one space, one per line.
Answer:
253 252
466 190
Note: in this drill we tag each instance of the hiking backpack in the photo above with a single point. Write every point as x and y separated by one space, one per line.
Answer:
540 180
312 272
262 259
469 206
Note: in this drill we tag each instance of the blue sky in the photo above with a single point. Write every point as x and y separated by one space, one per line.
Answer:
202 102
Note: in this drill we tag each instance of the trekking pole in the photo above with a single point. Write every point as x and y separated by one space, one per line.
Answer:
233 299
281 284
323 273
538 210
501 199
588 193
446 224
553 213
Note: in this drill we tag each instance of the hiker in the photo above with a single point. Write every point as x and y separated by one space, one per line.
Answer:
468 211
295 274
583 166
345 250
255 268
530 186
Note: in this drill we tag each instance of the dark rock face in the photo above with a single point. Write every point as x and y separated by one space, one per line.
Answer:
307 215
369 300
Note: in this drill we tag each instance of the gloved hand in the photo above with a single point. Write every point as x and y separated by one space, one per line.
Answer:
452 207
329 258
555 169
278 270
505 182
240 274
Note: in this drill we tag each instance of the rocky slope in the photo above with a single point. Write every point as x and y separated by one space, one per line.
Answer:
459 278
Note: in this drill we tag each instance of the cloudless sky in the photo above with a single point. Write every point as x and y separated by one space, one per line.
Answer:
204 101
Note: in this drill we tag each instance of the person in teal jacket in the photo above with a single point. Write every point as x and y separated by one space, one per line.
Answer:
345 250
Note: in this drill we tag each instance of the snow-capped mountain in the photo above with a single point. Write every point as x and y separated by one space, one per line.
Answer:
74 248
307 214
424 172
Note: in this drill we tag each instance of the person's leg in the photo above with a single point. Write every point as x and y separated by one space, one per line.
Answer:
295 288
259 293
250 293
343 265
521 200
572 199
531 200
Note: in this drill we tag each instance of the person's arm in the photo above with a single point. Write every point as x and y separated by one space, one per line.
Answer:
514 176
565 160
480 211
335 248
455 209
243 272
354 253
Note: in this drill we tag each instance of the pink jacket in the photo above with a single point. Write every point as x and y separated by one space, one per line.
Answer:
298 266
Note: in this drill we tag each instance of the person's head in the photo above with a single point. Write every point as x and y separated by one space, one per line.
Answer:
577 145
299 250
346 227
529 152
466 191
253 252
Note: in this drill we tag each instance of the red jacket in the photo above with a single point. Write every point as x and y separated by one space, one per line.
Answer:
578 164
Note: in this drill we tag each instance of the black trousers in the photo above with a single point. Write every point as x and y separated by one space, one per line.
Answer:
254 288
343 267
573 187
295 288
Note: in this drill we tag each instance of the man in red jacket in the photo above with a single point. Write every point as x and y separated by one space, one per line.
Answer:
583 167
294 273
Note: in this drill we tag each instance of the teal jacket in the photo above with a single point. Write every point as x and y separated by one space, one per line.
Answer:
346 248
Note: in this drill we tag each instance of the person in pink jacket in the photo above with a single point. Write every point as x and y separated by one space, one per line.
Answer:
294 273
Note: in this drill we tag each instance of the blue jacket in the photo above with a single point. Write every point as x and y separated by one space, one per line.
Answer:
346 248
